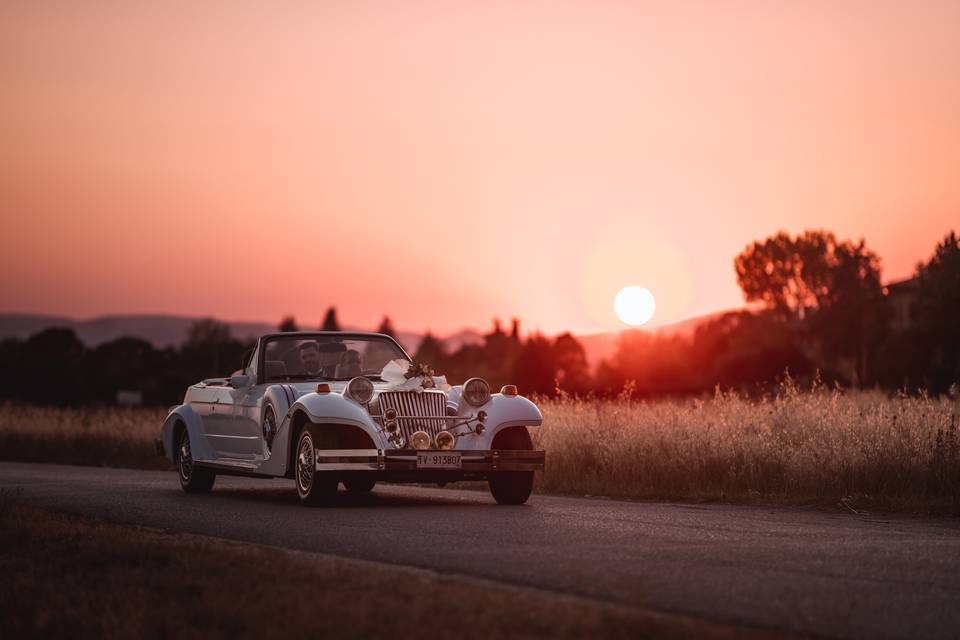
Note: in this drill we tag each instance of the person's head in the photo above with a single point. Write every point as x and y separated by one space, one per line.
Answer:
349 365
310 357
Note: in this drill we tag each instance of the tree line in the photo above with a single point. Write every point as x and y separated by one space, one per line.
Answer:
818 308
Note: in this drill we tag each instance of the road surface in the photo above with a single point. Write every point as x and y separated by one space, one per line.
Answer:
837 575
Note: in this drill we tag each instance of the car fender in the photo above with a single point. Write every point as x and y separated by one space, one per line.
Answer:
199 447
509 411
334 408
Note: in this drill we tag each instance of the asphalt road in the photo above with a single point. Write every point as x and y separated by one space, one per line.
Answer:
838 575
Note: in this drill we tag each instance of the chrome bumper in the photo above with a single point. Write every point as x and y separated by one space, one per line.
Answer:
406 460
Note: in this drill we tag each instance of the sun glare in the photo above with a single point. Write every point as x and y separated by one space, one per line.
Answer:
634 305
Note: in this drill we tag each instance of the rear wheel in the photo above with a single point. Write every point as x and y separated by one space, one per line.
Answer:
512 487
360 483
315 488
193 479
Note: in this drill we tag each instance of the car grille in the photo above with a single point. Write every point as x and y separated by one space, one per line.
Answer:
411 406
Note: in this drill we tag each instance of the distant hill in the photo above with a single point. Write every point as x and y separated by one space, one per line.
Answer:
167 330
171 330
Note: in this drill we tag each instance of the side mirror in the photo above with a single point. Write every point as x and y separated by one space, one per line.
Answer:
240 382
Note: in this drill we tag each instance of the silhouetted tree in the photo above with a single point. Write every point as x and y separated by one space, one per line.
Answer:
432 352
535 369
788 275
211 350
126 364
330 322
288 325
573 375
50 369
386 327
936 314
747 351
832 285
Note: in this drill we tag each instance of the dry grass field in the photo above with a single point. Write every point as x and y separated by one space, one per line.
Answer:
861 449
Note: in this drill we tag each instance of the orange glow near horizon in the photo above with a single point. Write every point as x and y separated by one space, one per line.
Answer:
447 163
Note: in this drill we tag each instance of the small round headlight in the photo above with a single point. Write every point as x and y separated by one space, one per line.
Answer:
420 440
476 391
360 390
390 426
445 440
390 414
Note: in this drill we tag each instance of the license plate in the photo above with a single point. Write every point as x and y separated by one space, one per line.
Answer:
437 460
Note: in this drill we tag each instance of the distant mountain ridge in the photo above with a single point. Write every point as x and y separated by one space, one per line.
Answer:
167 330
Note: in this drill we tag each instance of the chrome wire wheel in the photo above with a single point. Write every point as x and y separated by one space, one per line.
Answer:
306 464
185 459
269 427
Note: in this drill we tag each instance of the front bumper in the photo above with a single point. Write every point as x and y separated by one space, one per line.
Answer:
472 461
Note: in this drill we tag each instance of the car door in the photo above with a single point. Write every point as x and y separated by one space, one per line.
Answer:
247 422
218 423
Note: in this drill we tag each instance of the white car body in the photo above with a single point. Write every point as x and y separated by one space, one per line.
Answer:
230 432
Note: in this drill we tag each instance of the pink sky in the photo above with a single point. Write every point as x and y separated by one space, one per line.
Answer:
450 162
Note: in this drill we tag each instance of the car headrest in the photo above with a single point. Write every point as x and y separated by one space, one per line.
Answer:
275 368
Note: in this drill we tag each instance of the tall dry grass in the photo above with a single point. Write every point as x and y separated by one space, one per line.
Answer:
864 448
101 436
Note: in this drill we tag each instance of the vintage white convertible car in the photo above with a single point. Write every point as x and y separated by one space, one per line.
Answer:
314 407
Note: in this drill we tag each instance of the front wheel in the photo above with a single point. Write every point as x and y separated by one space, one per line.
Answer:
193 479
512 487
314 488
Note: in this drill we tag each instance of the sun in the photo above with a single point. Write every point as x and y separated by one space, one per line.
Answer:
634 305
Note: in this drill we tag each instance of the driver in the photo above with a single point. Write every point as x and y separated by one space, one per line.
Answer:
310 359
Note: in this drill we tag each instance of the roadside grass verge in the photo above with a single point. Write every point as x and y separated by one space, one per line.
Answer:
858 449
861 449
97 436
67 577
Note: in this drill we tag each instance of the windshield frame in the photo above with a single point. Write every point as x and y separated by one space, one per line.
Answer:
306 335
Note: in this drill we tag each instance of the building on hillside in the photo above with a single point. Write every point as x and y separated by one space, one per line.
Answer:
901 295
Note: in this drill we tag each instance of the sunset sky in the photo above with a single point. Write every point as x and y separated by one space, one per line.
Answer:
450 162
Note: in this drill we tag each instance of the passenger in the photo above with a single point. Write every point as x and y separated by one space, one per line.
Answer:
349 366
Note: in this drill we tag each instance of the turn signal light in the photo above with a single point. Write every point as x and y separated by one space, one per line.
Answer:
509 390
323 387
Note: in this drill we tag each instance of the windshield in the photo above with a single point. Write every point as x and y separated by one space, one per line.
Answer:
327 357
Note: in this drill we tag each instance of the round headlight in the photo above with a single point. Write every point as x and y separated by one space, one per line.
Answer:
391 426
420 440
445 440
390 414
360 390
476 391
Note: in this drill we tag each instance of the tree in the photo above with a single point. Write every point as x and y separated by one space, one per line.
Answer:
936 314
853 317
535 370
831 286
787 275
288 325
330 322
210 349
432 352
52 359
571 362
386 328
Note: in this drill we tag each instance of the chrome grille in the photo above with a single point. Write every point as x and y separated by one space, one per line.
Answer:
411 406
